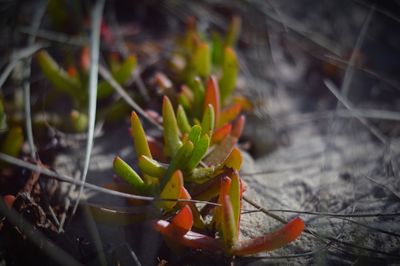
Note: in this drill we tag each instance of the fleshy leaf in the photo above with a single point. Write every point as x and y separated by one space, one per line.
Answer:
57 76
290 232
123 170
202 59
229 113
171 190
189 239
233 31
79 121
198 97
171 132
121 76
183 219
199 150
201 175
234 159
182 120
221 133
223 191
179 161
238 126
152 167
9 200
235 198
195 133
212 97
228 224
208 122
230 70
3 117
221 151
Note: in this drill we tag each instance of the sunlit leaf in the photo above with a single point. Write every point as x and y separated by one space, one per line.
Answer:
234 159
202 59
123 170
183 219
171 190
221 133
208 122
229 113
182 120
230 70
199 150
195 133
211 96
139 137
171 132
189 239
152 167
223 191
290 232
228 224
235 198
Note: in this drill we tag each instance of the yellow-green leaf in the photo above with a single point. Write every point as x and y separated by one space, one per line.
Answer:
202 59
199 150
171 131
139 137
235 198
234 31
152 167
79 121
171 190
182 120
195 133
230 70
198 97
234 159
228 225
208 122
12 143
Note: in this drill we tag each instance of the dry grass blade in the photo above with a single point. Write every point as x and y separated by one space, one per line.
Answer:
93 80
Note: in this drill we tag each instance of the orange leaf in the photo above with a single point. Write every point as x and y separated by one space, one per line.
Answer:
229 113
183 219
220 133
212 97
290 232
189 239
238 126
9 200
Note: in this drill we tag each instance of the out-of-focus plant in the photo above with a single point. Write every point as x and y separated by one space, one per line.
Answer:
73 81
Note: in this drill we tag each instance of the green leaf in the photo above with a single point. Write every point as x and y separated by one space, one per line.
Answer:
171 131
230 69
12 142
208 122
139 137
123 170
202 59
195 133
179 161
58 77
3 117
201 175
182 120
171 190
152 167
199 150
216 48
121 76
198 97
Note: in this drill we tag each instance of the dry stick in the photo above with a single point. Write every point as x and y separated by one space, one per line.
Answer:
93 80
53 251
47 172
348 75
104 73
369 227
